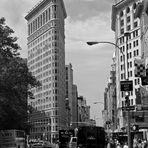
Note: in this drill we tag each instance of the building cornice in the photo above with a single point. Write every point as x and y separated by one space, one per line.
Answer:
123 3
40 5
115 9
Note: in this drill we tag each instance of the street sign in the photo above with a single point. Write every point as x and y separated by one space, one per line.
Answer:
64 135
144 80
126 85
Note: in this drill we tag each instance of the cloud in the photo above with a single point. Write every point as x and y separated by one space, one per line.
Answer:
92 29
83 9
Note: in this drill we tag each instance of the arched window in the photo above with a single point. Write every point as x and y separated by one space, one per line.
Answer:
121 13
127 10
134 6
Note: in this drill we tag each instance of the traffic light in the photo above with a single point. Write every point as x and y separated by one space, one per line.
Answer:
127 101
135 127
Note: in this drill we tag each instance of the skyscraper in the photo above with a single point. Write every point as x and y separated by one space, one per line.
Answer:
46 61
71 95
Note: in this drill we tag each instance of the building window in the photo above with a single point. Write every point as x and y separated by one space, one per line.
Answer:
122 94
129 37
49 13
121 13
44 18
136 42
130 45
131 101
130 54
136 32
128 19
121 58
121 67
127 10
133 34
41 17
135 24
122 103
121 22
131 73
138 81
135 81
137 52
122 30
54 7
130 64
128 27
56 128
120 40
134 53
134 6
122 76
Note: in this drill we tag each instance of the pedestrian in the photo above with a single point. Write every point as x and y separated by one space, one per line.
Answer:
125 145
146 144
135 143
118 145
139 143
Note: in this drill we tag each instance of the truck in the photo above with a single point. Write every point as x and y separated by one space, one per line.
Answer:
88 137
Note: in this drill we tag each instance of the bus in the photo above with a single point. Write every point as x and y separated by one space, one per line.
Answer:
12 139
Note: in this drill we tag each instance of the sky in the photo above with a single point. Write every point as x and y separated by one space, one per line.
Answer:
87 20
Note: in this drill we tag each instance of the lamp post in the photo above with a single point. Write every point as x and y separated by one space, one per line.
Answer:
127 96
126 77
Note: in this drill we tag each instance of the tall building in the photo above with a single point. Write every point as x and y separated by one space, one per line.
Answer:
46 61
71 96
69 84
83 112
128 16
74 104
110 106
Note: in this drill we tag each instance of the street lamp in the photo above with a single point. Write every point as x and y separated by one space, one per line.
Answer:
106 42
90 43
98 102
126 77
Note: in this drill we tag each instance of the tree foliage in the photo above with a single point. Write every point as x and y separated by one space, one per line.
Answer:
15 82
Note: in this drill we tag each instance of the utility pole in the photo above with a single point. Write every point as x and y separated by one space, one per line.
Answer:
126 85
127 95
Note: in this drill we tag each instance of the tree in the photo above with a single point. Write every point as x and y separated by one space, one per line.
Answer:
15 82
